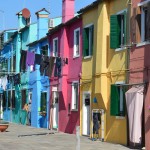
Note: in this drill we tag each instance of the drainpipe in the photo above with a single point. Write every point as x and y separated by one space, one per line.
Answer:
129 3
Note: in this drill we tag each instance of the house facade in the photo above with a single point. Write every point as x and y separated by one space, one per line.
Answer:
104 65
66 42
139 62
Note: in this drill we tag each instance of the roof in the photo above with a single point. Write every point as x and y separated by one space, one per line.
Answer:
37 41
6 30
43 9
88 7
55 29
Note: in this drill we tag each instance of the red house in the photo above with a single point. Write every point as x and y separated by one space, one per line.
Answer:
139 70
66 46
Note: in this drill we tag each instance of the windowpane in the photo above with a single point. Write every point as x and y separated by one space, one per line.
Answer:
76 43
23 96
43 101
75 96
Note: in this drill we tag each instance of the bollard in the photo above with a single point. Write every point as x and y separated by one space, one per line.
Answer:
77 137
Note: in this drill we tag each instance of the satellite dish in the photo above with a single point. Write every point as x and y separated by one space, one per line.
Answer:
26 13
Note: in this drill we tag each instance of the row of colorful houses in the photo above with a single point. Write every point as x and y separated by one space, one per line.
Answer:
94 61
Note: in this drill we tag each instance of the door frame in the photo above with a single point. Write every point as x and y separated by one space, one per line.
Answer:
83 98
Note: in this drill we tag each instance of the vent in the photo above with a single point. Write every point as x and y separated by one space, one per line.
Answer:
51 23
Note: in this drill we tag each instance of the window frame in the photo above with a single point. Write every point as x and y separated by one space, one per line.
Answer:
55 52
75 96
90 40
75 43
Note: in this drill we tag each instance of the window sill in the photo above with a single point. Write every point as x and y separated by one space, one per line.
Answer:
120 117
74 110
74 57
143 43
120 49
87 57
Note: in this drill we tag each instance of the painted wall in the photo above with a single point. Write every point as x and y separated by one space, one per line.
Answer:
101 70
117 73
74 71
139 72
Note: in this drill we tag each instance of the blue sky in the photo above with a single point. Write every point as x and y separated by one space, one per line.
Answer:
8 19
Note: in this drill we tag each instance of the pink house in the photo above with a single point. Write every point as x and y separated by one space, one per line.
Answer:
139 71
66 47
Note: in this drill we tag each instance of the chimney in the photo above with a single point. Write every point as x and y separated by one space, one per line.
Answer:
67 10
23 18
42 23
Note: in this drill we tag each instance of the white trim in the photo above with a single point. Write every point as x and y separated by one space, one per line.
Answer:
143 43
55 54
87 26
143 3
121 12
120 49
74 101
74 49
87 57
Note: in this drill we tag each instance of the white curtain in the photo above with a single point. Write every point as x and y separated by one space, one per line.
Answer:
134 101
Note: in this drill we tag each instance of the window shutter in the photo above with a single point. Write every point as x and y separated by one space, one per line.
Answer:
114 32
92 38
138 24
85 41
148 21
133 26
125 28
114 101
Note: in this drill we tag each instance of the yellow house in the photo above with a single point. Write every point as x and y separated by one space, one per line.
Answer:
104 69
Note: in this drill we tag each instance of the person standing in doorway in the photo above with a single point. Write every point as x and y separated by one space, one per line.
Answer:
96 126
29 113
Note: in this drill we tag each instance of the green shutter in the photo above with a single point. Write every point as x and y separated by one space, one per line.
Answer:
125 28
85 41
92 38
114 101
114 32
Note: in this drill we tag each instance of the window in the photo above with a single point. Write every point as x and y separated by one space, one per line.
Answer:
75 95
23 96
117 100
118 30
76 52
44 50
43 102
13 64
13 98
88 35
55 47
144 24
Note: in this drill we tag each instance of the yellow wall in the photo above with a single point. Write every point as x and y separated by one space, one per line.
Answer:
104 68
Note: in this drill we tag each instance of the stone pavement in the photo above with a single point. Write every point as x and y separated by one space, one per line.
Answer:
19 137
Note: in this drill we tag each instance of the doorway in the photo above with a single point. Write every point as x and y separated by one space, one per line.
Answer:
86 114
55 108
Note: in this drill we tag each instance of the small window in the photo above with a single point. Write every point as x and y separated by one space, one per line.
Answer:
13 98
43 102
13 64
88 35
23 96
118 30
117 104
75 95
76 52
55 47
4 100
44 50
144 24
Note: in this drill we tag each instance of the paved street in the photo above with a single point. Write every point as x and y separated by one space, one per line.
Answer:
18 137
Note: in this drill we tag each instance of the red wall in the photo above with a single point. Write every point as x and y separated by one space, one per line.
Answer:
70 72
140 72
